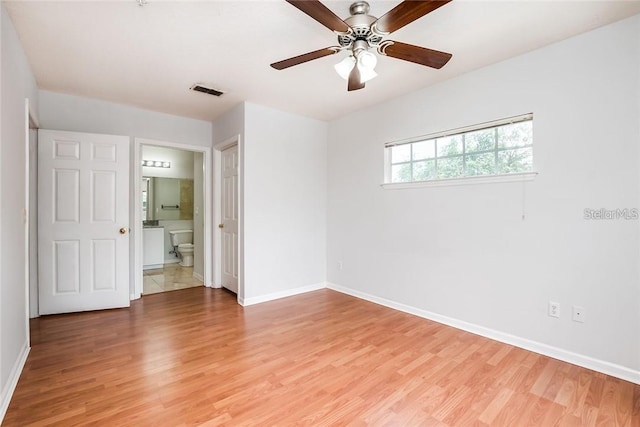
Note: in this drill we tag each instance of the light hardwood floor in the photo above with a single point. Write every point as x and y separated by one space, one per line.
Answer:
194 357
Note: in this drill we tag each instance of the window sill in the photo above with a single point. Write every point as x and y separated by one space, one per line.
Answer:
467 180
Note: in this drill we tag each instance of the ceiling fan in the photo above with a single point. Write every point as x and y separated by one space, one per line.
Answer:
361 32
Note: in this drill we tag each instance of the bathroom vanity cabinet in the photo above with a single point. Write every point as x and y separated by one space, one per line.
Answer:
152 247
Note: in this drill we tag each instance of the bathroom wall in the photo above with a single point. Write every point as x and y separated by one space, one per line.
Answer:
167 193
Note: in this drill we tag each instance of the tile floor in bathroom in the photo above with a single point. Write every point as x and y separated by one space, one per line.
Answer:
169 278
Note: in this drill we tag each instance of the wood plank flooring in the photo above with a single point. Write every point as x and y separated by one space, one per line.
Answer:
194 357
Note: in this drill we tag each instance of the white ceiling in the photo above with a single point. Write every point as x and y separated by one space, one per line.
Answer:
149 56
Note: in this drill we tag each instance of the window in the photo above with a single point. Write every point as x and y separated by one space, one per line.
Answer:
496 148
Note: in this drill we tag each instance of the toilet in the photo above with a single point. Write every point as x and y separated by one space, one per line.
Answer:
181 240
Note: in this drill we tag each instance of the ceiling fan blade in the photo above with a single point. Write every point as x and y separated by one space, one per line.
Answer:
281 65
405 13
355 82
322 14
419 55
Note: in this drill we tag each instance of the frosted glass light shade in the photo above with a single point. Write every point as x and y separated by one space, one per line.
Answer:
367 74
367 61
344 67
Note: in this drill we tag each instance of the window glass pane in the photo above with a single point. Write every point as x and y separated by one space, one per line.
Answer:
516 160
450 145
480 164
504 148
515 135
481 140
450 167
401 153
424 149
425 170
401 173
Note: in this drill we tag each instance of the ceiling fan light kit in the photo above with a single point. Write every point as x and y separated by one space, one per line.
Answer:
361 58
361 32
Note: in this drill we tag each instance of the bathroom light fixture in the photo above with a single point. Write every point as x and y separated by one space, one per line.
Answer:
156 164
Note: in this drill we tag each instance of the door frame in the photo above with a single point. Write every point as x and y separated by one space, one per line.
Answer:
31 216
217 203
136 290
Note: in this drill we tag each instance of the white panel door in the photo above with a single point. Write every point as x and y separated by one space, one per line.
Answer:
83 221
229 223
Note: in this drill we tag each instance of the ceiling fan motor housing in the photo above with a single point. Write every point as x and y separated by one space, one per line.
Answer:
359 8
360 22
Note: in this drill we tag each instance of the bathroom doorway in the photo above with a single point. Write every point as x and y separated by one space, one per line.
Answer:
173 214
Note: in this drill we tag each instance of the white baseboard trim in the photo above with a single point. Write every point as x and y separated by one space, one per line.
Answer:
199 277
602 366
282 294
14 376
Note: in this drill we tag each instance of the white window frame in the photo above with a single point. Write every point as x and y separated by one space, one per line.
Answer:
463 180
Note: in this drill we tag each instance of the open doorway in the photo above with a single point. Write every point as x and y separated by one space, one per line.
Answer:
172 217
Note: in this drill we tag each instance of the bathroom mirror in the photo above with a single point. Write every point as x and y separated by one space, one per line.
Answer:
167 198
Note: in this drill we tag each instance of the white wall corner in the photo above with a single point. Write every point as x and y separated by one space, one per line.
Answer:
12 381
282 294
602 366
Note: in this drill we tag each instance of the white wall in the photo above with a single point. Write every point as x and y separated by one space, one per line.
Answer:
73 113
17 83
465 254
284 203
229 125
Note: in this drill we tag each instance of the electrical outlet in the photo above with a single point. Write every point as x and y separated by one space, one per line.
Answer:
340 265
579 314
554 309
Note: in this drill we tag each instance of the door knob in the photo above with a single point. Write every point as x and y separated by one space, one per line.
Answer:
123 230
220 225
